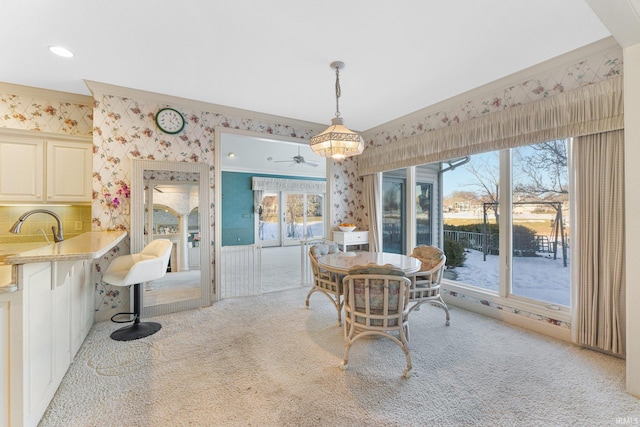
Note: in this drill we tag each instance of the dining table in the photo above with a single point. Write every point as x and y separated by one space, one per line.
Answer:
341 262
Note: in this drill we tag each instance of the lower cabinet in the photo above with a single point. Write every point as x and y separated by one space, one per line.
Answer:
49 316
82 304
10 310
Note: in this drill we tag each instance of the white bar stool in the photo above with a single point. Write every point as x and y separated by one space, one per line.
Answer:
126 270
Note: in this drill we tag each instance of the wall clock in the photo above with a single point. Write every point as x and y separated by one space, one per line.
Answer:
169 121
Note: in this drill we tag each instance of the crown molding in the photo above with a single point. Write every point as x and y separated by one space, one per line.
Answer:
622 19
43 136
36 92
564 60
106 88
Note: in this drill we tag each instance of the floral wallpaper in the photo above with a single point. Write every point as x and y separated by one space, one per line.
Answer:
124 129
44 115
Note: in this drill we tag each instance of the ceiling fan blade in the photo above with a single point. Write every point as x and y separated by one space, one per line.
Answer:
310 164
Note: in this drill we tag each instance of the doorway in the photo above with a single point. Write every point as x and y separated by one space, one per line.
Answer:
288 208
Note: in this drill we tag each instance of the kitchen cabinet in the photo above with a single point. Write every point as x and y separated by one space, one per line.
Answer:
350 238
45 168
42 326
46 312
69 171
45 329
21 170
10 313
82 303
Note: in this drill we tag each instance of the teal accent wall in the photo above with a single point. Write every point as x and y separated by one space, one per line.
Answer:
237 206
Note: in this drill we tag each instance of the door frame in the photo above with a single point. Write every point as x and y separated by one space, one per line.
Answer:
217 197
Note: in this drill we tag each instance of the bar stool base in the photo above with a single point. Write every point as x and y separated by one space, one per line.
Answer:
136 331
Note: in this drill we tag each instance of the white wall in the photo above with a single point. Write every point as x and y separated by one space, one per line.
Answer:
632 212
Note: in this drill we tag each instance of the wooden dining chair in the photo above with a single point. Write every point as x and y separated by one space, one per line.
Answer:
425 284
376 303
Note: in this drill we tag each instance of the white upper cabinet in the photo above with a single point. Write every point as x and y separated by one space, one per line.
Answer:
45 168
21 170
69 169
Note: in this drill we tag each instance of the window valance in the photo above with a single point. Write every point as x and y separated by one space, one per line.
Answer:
588 110
283 184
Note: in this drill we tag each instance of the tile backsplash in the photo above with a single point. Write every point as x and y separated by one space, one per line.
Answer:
75 220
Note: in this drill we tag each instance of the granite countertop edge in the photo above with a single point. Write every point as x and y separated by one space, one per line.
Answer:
89 245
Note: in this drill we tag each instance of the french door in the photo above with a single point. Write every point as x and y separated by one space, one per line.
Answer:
288 217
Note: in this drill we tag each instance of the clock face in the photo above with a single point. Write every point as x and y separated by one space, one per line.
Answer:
169 120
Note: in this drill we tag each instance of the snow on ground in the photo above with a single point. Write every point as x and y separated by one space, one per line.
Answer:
541 278
270 230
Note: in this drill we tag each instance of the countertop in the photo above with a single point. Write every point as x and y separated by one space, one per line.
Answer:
90 245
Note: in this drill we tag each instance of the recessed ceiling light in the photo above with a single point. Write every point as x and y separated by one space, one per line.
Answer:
61 51
231 154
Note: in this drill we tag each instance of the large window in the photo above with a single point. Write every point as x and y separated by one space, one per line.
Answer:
540 222
508 214
471 214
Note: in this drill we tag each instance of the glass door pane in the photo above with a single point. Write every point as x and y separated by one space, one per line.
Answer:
314 216
269 220
423 213
393 213
294 209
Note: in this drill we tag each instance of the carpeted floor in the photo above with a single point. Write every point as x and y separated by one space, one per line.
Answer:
269 361
280 268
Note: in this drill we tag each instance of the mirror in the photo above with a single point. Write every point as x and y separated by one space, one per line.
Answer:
166 200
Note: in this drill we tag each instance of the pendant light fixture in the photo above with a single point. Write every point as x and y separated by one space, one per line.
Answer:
337 141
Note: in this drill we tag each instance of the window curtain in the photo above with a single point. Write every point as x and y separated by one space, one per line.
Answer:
257 199
371 194
282 184
599 302
591 109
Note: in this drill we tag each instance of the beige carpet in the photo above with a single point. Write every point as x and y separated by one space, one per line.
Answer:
280 268
269 361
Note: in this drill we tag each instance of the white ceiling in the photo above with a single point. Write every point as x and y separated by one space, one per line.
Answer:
273 56
268 156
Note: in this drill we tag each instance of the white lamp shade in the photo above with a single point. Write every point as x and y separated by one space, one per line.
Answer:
337 141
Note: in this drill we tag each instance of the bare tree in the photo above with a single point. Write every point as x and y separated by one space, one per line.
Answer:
486 171
542 171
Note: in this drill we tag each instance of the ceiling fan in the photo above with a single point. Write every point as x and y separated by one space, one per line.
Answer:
299 160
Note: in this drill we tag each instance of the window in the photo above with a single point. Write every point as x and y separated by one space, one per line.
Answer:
471 215
540 222
524 228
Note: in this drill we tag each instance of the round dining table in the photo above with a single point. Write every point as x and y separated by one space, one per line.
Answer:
341 262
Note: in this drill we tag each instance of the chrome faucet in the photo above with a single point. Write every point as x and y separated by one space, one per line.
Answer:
57 235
